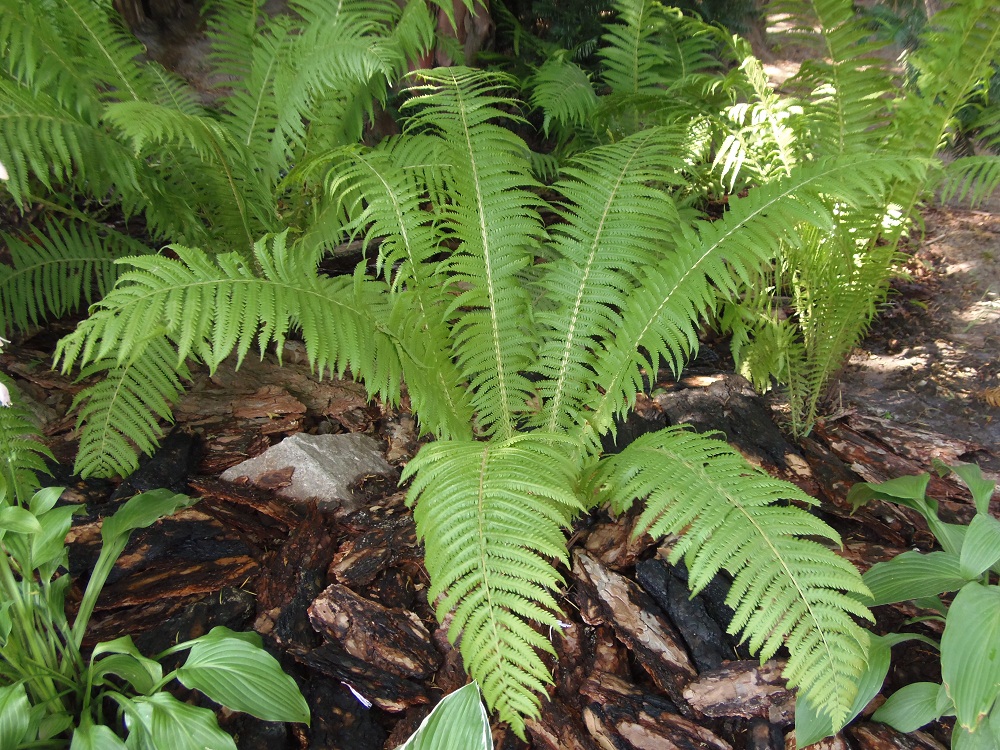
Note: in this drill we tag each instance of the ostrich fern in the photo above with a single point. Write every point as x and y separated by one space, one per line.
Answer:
540 356
520 344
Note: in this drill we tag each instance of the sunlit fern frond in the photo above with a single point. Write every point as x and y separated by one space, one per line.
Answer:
22 453
122 411
632 62
658 325
787 589
617 221
493 517
210 306
56 269
494 221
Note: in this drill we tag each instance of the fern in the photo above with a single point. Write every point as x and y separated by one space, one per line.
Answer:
56 270
492 516
972 178
785 588
22 453
122 411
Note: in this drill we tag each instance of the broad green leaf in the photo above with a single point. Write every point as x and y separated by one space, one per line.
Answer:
980 487
458 721
90 736
913 575
970 652
19 520
44 500
243 677
909 491
910 707
14 709
812 725
981 739
127 662
178 726
142 511
49 545
981 548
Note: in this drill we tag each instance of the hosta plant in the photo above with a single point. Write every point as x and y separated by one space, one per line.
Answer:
967 563
53 693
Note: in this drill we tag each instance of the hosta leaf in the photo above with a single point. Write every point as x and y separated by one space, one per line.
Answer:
970 653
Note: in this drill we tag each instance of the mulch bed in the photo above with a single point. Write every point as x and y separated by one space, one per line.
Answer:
340 598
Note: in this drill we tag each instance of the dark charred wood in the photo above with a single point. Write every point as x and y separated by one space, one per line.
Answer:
706 642
256 514
393 640
836 742
339 720
746 689
638 623
361 559
874 736
406 726
295 575
619 716
382 689
726 402
169 467
451 674
559 728
764 735
615 543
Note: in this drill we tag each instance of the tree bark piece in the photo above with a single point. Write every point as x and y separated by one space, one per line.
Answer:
559 728
622 717
393 640
638 624
746 689
874 736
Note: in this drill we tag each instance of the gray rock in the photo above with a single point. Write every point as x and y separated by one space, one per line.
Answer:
320 467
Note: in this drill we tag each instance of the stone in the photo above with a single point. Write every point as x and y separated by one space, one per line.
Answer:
325 467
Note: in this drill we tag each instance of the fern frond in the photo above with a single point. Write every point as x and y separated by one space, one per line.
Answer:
110 51
617 221
122 411
56 270
786 589
632 62
659 318
211 306
972 178
565 94
493 516
22 453
41 139
495 222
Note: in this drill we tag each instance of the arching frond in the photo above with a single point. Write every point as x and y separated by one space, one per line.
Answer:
122 411
972 179
786 589
658 324
494 220
564 92
632 62
617 221
54 271
493 516
22 453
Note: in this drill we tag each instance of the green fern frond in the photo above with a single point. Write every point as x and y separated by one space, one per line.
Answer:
659 318
495 222
632 62
56 270
210 306
972 178
22 453
617 221
109 50
786 589
494 516
122 411
41 139
565 94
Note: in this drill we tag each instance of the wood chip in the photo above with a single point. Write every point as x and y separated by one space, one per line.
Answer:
393 640
746 689
638 623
